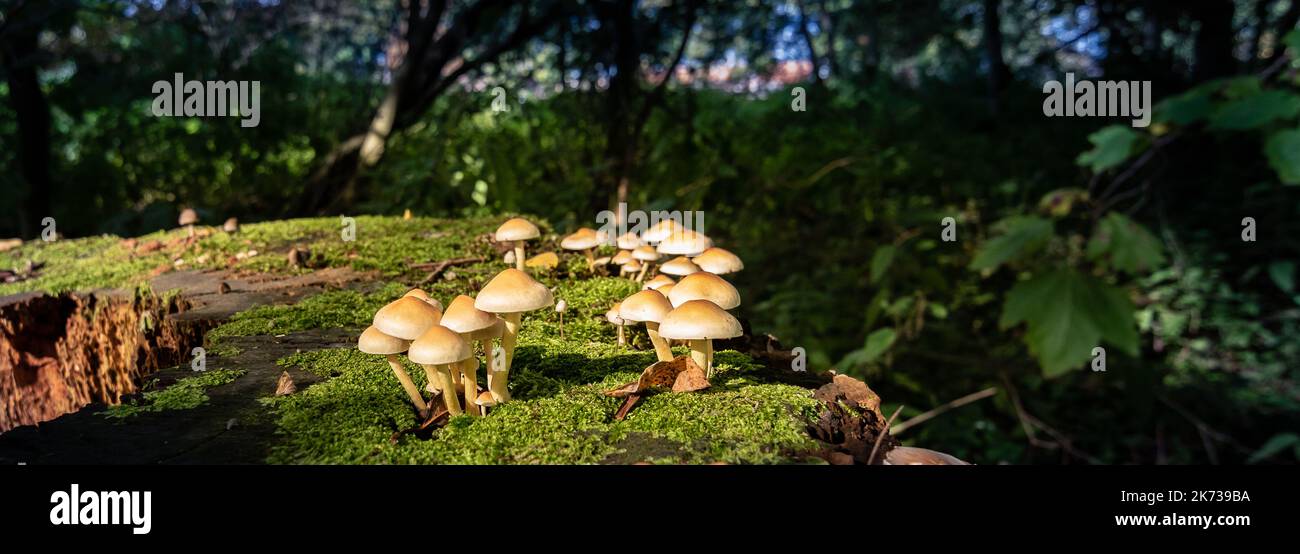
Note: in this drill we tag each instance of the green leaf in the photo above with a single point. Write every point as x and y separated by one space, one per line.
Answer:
1283 150
1023 235
1068 314
1125 244
1292 40
1255 110
1186 108
881 260
878 342
1111 146
1274 446
1283 275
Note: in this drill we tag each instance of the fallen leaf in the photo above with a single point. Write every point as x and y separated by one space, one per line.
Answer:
285 386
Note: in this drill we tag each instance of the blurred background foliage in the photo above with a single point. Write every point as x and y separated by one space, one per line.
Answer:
1071 233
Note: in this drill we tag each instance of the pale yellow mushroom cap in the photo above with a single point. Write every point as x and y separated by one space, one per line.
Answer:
680 265
658 281
646 253
704 286
660 231
485 398
516 229
631 266
647 305
685 242
417 293
513 291
698 319
188 217
462 317
623 256
718 261
407 317
613 316
374 341
439 345
582 239
628 241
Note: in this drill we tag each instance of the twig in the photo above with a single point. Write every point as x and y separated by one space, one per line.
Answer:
881 435
972 397
1029 423
443 265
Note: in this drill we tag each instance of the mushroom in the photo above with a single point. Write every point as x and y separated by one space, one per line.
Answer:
679 266
704 286
660 231
231 225
649 307
684 242
658 282
718 261
374 341
700 321
560 308
647 255
613 317
628 241
913 456
509 295
485 401
474 324
631 267
421 295
585 239
407 318
517 231
622 257
440 350
666 289
187 220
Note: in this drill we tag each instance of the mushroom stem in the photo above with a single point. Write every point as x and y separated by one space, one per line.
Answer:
431 375
645 267
190 228
622 338
408 385
519 255
591 259
470 367
697 353
662 352
708 358
497 380
513 321
449 390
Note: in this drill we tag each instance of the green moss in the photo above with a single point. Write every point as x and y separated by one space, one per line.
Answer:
184 394
333 309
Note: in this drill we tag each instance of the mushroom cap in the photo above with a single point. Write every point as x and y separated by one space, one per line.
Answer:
603 260
374 341
231 225
513 291
630 266
462 317
646 253
516 229
407 317
623 256
697 319
718 261
188 217
660 231
582 239
666 289
912 456
704 286
658 281
545 260
485 398
613 316
647 305
685 242
680 265
420 294
628 241
439 345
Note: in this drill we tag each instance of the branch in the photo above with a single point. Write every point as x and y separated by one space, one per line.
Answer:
975 396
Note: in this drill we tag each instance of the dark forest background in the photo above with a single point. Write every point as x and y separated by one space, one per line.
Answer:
1072 232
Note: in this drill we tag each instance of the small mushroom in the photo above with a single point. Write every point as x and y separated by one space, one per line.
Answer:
187 220
407 318
628 241
649 307
374 341
613 316
718 261
440 350
510 294
421 295
474 324
545 261
659 281
684 242
586 240
560 308
666 289
485 401
700 321
631 267
517 231
231 225
679 266
647 255
704 286
660 231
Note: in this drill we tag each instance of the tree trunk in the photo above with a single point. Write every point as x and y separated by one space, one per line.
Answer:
19 55
1215 41
999 74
